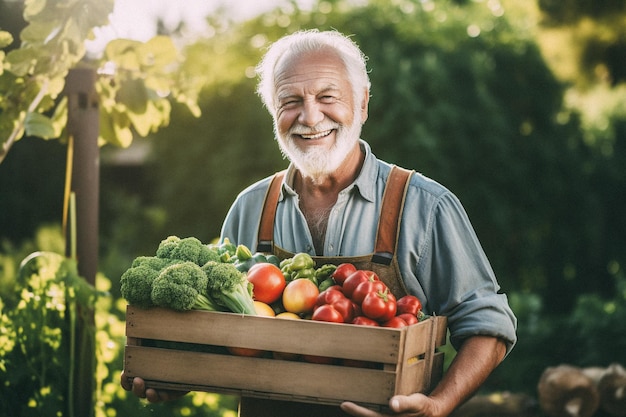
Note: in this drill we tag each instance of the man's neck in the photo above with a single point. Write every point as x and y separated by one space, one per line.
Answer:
317 197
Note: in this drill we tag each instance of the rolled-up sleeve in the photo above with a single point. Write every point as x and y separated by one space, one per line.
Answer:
458 280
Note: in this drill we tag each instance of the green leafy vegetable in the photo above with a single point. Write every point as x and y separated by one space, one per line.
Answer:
228 287
182 286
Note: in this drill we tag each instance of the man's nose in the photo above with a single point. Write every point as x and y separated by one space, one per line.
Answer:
311 113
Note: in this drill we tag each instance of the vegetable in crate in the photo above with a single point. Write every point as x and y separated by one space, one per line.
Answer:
182 286
229 288
301 265
244 259
187 249
136 285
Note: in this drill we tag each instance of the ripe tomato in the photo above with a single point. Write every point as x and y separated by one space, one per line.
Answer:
379 306
299 296
409 304
268 280
396 322
327 313
365 288
346 308
329 296
408 317
364 321
263 309
288 315
361 275
342 272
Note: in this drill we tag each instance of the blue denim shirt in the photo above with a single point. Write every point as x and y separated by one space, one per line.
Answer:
440 257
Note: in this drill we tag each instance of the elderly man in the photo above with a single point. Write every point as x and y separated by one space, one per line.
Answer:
330 203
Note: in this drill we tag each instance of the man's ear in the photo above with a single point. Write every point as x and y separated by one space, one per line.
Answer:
364 105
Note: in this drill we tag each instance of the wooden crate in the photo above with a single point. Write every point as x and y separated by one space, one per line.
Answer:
406 359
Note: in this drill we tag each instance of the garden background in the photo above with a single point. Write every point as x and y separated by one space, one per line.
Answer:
518 107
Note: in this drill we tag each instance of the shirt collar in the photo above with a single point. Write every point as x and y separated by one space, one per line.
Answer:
365 183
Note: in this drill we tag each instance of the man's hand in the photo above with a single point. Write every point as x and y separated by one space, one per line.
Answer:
138 387
477 357
415 405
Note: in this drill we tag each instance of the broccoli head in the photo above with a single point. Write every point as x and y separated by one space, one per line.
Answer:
188 249
229 287
166 247
181 286
151 262
136 285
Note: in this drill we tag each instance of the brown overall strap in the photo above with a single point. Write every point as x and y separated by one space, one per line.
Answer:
388 224
266 224
391 215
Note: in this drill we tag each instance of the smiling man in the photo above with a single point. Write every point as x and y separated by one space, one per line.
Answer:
330 202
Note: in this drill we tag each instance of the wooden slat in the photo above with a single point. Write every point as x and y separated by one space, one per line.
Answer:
194 370
266 333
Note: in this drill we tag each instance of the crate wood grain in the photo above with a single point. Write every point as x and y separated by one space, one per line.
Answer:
407 358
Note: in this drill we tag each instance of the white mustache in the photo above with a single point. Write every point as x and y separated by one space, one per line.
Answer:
305 130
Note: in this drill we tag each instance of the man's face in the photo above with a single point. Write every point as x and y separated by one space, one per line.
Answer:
317 123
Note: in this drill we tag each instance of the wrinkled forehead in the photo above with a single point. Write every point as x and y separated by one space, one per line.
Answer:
303 61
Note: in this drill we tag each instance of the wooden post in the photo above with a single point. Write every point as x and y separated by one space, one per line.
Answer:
83 129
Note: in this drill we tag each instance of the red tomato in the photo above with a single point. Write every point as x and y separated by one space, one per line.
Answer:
409 304
339 301
396 322
364 321
342 272
408 317
346 308
268 280
299 296
335 287
365 288
329 296
327 313
357 277
379 306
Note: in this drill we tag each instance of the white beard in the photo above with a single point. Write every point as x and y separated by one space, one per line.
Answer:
317 163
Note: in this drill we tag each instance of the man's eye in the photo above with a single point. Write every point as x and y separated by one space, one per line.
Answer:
289 104
327 99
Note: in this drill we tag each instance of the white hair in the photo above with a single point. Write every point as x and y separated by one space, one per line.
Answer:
306 42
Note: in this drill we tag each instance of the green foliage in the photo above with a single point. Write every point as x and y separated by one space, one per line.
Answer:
36 308
208 161
34 74
593 33
135 85
38 357
139 80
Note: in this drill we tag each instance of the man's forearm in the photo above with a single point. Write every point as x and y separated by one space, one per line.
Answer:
475 360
